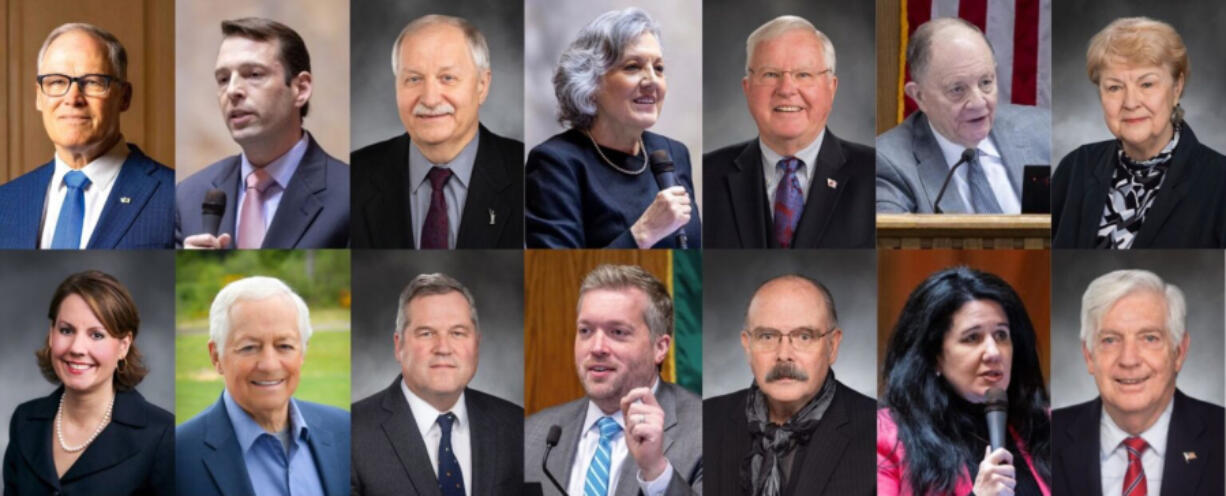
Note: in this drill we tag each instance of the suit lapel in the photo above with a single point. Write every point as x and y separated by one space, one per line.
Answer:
815 464
390 206
1080 448
27 223
1098 182
933 168
114 445
1186 434
34 439
224 459
747 190
484 215
400 427
132 190
1010 154
627 483
1174 189
485 453
560 466
300 203
331 462
828 183
227 180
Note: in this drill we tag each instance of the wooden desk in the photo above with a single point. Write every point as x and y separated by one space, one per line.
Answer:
963 231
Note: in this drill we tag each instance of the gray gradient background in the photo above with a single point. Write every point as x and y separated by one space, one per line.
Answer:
496 280
729 280
374 25
1077 115
554 26
30 279
727 23
1197 272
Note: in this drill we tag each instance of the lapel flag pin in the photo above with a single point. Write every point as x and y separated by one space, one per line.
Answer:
1188 456
491 216
832 183
124 199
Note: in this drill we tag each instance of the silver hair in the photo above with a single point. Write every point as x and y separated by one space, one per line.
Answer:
1114 286
919 48
777 27
253 288
659 312
427 285
476 41
117 55
597 48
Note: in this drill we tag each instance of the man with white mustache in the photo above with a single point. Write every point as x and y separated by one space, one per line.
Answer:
1141 435
283 190
797 185
447 182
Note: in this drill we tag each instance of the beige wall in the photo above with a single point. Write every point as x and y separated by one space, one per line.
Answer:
201 133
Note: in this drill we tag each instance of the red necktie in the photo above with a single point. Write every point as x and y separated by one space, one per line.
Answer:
434 233
1134 478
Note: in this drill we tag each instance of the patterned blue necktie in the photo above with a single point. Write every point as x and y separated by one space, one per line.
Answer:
450 478
72 212
789 201
597 481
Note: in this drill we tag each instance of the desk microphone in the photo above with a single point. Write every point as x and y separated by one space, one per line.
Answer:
666 177
967 156
212 209
551 440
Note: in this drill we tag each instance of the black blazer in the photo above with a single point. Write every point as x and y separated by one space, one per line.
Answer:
389 454
493 214
839 212
838 459
134 454
1196 427
1190 211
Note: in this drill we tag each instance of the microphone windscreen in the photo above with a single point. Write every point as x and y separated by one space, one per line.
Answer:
661 162
555 433
996 399
968 154
214 201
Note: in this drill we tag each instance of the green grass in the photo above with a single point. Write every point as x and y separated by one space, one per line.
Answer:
324 376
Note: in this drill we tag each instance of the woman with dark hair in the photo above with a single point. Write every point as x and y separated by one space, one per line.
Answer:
95 434
962 332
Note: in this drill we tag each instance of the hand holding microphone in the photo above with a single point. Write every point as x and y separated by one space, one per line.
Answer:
997 475
211 212
671 209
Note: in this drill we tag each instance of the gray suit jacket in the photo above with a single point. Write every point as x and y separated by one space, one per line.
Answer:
911 168
682 443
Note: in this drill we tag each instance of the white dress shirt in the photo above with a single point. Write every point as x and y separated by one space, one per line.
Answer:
281 170
993 168
1113 456
590 439
427 423
101 172
770 170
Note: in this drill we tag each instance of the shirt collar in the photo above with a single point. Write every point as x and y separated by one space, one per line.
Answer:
1111 435
282 168
426 415
594 413
101 171
461 166
953 151
807 155
247 431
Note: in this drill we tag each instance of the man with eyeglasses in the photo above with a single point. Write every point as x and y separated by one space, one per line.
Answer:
795 430
797 185
99 191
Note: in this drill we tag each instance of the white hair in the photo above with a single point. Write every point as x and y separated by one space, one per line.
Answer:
476 41
253 288
1109 288
777 27
115 52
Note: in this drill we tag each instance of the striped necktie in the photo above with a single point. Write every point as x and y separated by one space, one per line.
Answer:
1134 478
597 482
72 212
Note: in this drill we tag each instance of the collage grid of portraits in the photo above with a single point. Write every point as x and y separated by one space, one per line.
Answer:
613 247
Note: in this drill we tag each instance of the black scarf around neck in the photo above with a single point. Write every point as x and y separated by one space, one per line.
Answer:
769 442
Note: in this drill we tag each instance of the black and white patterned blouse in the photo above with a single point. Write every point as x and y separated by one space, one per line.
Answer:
1134 186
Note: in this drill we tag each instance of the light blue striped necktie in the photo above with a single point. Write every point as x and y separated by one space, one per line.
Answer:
72 212
597 483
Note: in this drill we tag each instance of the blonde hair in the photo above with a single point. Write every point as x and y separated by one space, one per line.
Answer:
1138 40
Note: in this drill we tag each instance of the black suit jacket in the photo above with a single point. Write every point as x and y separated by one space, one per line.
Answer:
134 454
381 201
1190 211
838 459
389 454
839 211
1196 427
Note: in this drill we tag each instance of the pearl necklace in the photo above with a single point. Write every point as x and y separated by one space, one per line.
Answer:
613 165
59 431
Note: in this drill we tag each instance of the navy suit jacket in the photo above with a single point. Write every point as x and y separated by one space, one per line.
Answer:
839 211
137 215
1196 427
209 460
133 454
313 213
389 454
493 213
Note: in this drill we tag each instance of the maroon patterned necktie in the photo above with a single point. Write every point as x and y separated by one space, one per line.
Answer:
434 232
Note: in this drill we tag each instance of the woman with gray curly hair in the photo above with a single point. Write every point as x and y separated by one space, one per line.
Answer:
593 185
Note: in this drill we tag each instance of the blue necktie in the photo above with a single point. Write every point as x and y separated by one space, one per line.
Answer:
72 212
450 478
983 200
789 201
597 481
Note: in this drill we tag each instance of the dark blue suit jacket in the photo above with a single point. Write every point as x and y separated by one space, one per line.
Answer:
313 213
576 200
209 460
133 455
138 215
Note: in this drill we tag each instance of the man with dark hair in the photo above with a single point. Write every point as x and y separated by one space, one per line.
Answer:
284 190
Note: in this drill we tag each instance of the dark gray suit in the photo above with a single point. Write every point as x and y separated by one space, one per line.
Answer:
313 213
389 454
911 167
682 443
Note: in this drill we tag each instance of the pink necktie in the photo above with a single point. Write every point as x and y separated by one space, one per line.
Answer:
251 234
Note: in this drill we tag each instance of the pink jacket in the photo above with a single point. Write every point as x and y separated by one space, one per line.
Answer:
892 465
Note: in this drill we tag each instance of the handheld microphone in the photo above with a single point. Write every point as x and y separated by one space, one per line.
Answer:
551 440
967 156
212 209
996 408
666 177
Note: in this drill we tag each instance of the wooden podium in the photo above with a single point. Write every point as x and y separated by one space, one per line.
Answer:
963 231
